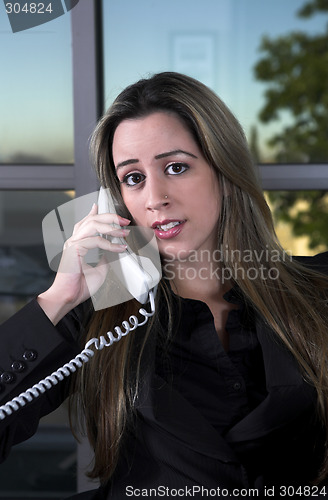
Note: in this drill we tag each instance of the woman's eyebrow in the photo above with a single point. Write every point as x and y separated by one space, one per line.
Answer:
174 152
157 157
126 162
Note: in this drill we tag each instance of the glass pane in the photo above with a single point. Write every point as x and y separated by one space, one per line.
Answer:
219 43
45 465
301 220
36 119
23 264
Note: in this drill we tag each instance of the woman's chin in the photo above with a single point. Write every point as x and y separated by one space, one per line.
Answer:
171 253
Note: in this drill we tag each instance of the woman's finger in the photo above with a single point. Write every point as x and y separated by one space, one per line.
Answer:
102 224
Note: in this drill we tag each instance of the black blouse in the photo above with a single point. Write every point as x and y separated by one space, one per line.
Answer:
223 385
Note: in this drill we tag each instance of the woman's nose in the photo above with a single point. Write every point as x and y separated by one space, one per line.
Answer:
157 196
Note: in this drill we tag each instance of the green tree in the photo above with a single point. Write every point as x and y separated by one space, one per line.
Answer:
295 69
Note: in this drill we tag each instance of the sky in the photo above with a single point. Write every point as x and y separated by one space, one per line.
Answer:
216 40
36 111
147 41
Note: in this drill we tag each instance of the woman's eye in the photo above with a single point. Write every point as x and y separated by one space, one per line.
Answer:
133 179
176 168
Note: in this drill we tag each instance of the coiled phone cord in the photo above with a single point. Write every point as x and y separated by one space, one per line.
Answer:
77 362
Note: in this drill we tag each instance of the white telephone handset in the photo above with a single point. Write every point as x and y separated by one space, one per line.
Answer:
137 275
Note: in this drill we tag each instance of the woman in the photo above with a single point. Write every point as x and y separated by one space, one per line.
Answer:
226 389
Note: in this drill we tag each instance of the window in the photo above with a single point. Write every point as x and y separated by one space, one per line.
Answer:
47 462
219 43
240 50
24 267
42 467
300 219
35 177
36 120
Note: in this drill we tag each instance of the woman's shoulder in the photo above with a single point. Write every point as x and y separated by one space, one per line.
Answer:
318 262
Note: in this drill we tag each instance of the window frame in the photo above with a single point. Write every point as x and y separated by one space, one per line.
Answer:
282 177
87 107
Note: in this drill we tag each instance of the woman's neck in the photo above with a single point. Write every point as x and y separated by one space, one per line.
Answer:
205 283
197 280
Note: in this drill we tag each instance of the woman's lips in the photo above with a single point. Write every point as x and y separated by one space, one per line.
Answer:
168 233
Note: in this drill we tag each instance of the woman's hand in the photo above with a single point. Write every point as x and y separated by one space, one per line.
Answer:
70 287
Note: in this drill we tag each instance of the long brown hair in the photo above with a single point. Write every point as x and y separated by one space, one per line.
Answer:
292 300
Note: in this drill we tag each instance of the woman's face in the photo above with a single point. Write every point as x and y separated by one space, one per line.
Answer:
167 184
